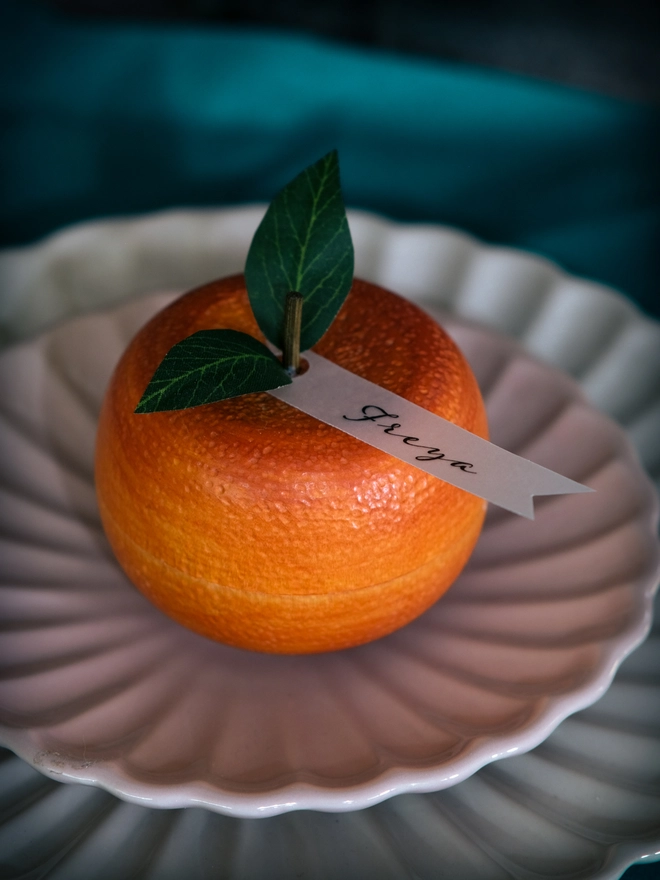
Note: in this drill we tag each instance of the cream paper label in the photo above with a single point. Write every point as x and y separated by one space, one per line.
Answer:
414 435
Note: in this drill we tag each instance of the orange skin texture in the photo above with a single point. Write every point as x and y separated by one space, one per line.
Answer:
256 525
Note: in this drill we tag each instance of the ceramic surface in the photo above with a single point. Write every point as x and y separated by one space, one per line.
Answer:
586 803
605 813
98 686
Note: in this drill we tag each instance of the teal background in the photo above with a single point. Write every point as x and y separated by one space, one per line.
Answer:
104 119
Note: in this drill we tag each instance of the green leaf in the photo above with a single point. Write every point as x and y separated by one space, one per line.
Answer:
211 365
302 244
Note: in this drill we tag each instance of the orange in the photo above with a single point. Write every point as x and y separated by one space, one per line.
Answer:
256 525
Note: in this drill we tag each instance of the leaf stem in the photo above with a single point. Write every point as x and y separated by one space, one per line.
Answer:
292 326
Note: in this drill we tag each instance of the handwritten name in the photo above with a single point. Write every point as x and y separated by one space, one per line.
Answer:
371 413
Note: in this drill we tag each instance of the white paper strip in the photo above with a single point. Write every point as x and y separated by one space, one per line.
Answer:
414 435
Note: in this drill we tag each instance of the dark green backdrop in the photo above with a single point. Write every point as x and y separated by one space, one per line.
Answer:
104 119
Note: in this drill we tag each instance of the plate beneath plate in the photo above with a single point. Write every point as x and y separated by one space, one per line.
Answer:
605 811
586 803
99 687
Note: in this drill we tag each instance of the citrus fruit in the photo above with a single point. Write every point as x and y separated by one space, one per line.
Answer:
256 525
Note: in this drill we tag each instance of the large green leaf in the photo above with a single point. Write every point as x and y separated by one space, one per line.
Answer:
302 244
211 365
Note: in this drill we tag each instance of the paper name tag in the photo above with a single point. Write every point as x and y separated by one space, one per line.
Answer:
412 434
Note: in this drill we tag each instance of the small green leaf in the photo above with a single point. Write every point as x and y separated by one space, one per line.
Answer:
302 244
211 365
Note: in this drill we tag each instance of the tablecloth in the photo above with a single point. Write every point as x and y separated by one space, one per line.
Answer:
114 118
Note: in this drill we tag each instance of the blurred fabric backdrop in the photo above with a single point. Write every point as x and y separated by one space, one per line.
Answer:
161 105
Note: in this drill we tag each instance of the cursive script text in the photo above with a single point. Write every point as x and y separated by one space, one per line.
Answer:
372 413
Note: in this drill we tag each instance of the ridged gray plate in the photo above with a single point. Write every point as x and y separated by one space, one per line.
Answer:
584 804
525 297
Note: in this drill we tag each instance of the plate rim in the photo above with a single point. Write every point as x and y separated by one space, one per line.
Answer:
110 776
65 238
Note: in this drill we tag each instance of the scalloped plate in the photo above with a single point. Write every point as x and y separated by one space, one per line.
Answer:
584 804
99 687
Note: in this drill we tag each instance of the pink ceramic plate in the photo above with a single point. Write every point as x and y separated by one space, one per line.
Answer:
98 687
